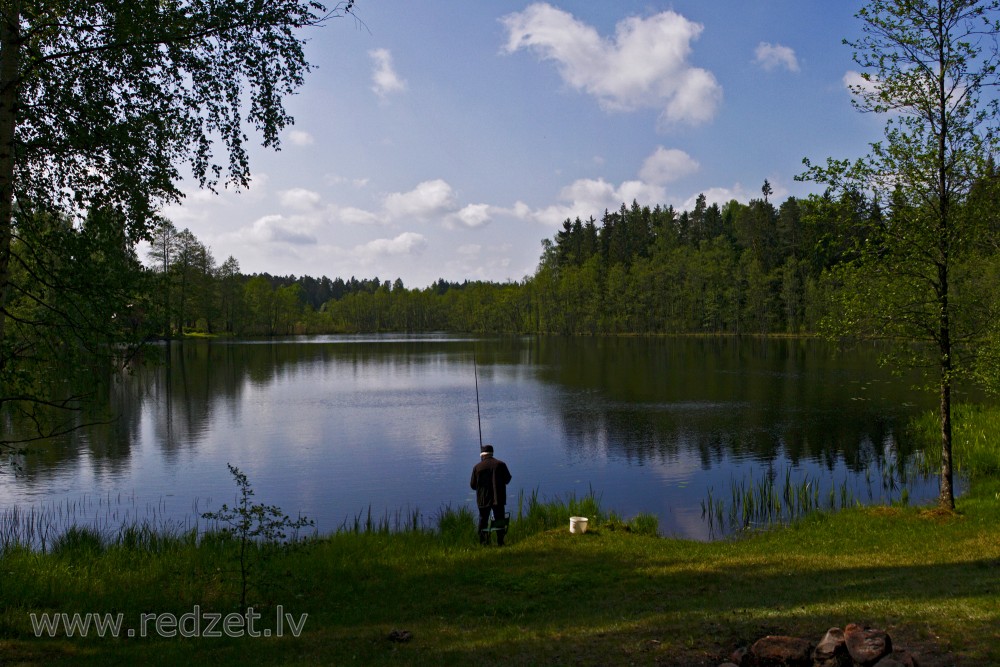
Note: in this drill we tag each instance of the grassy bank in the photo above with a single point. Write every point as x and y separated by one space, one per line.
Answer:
395 590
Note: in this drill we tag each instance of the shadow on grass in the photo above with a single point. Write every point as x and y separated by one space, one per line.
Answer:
567 600
594 599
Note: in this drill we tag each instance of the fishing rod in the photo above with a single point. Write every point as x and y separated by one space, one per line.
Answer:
479 418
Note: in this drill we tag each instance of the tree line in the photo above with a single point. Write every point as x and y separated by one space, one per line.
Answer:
187 291
752 268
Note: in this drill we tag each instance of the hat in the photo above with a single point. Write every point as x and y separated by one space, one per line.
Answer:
488 449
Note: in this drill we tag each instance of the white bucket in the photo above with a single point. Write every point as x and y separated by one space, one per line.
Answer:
578 524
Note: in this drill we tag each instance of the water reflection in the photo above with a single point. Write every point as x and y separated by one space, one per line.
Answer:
333 425
726 397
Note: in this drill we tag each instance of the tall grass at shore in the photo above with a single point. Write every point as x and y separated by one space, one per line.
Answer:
111 517
93 524
975 439
777 499
781 498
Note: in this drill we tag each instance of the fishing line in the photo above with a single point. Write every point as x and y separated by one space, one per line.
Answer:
479 418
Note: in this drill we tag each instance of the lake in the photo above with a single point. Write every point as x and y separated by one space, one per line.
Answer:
335 426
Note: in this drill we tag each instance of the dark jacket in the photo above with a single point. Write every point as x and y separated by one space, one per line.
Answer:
489 479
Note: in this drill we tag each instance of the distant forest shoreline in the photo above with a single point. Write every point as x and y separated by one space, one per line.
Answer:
738 268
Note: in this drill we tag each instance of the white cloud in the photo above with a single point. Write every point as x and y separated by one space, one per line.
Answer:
357 216
591 197
666 165
858 85
201 205
204 196
521 211
587 197
772 56
385 81
299 199
433 200
477 262
300 138
335 179
722 195
644 66
644 193
258 182
428 199
588 190
184 214
475 215
279 229
407 243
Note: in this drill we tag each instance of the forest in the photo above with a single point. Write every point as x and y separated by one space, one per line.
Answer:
737 268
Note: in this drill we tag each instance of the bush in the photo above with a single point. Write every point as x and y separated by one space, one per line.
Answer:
256 529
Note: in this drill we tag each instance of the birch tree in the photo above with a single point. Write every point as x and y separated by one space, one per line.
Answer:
102 103
929 67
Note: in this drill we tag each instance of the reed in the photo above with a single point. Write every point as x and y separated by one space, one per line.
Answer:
95 523
975 434
780 498
389 522
457 526
535 515
79 542
115 518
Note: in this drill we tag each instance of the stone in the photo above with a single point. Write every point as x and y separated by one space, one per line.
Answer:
400 636
898 658
832 650
781 651
854 646
866 645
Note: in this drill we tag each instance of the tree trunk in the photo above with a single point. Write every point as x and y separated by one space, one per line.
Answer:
946 499
10 47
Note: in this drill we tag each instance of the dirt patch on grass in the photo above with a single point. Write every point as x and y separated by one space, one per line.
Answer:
939 515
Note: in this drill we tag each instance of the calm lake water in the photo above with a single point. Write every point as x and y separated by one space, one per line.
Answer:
331 426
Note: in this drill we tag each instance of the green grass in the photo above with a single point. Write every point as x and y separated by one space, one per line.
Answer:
615 595
975 439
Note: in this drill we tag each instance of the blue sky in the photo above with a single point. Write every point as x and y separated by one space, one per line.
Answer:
446 139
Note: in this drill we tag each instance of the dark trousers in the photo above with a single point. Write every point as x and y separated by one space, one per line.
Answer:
484 521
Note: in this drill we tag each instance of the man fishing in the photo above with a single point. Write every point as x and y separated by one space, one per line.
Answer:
490 478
